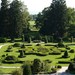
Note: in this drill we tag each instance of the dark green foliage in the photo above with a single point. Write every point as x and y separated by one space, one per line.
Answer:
16 45
67 47
21 54
53 19
27 69
19 17
71 67
36 66
65 55
10 59
3 55
4 19
72 51
9 50
59 66
3 40
60 44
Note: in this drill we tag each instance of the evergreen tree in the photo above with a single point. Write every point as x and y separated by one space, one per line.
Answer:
55 22
19 17
4 18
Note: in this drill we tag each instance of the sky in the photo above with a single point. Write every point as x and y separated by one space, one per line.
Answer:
36 6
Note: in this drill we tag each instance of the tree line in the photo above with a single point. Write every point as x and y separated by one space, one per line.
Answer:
57 20
14 19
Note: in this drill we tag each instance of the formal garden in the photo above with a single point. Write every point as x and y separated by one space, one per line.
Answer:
51 56
36 44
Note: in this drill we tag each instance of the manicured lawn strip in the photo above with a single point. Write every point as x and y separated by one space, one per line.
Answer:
7 70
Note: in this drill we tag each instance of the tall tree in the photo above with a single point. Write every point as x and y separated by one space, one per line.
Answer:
4 19
18 18
71 21
55 22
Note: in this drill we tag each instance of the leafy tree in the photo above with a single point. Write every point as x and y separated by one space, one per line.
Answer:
55 22
19 17
4 18
71 21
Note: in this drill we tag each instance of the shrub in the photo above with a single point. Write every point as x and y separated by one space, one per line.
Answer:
10 59
21 54
65 55
71 67
22 46
72 51
3 55
17 45
3 40
67 47
59 66
60 44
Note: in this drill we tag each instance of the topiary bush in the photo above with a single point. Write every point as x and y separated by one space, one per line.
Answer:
72 51
67 47
21 54
59 66
10 59
65 55
60 44
16 45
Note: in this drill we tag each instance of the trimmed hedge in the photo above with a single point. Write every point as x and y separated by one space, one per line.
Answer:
63 62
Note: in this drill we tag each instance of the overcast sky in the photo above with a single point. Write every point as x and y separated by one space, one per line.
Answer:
35 6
